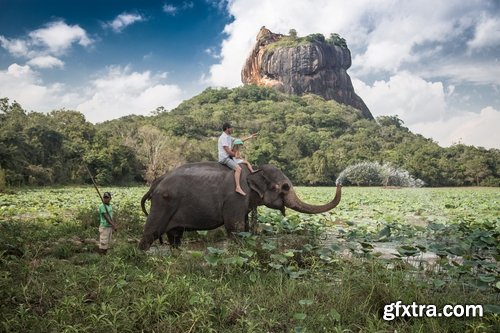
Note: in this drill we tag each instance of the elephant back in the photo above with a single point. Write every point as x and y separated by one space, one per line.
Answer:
196 179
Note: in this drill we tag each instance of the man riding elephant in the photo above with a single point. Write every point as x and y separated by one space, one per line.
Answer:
226 153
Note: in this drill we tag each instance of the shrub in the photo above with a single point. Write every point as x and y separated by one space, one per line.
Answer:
335 39
373 173
39 175
489 181
317 37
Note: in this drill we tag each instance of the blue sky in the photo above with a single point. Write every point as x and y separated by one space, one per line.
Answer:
434 64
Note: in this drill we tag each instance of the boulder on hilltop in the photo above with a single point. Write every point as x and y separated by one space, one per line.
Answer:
298 66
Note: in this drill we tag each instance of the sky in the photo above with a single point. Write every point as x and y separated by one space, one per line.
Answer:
434 64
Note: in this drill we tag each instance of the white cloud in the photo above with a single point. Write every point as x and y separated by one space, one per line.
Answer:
211 51
116 93
20 72
124 20
173 10
46 62
219 4
422 107
410 97
473 71
57 37
120 92
169 9
487 34
53 39
16 47
24 85
382 35
478 129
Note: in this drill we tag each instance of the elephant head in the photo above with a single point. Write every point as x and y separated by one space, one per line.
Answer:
274 190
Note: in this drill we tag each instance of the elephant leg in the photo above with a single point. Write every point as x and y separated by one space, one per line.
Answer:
234 213
247 224
234 224
174 237
253 220
156 223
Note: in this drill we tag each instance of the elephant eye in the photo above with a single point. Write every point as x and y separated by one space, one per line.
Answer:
285 187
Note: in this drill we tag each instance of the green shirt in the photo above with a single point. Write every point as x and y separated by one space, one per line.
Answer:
102 211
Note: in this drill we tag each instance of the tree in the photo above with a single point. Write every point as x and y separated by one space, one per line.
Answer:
310 139
156 151
335 39
151 143
475 167
317 37
14 148
387 121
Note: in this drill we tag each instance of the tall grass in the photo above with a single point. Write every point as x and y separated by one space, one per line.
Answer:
282 279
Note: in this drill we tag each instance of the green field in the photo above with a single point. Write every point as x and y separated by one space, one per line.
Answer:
332 272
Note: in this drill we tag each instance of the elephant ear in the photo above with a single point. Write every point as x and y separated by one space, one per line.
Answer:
257 181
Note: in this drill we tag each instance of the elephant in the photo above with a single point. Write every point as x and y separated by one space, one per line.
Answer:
201 196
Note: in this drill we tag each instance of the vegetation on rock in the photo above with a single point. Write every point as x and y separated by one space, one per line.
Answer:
293 40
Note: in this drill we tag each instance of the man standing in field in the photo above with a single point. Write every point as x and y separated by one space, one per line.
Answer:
106 223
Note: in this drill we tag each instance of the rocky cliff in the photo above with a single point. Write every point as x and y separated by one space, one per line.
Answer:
303 65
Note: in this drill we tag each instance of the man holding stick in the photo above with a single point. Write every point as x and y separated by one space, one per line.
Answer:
106 225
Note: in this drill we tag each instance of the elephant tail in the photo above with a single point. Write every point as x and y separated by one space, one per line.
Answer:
146 196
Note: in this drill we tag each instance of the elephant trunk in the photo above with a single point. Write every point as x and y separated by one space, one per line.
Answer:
293 202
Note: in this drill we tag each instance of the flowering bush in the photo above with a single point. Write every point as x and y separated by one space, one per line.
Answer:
373 173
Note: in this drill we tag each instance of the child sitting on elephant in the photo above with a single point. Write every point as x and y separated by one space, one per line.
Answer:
226 153
238 158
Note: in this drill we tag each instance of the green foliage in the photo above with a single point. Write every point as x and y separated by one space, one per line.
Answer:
312 140
39 149
286 41
292 40
335 39
281 278
317 37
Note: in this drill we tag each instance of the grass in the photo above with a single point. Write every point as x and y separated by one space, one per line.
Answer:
285 42
285 278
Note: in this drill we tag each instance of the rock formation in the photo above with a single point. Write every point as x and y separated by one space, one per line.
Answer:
309 66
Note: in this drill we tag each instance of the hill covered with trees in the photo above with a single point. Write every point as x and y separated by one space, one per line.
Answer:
313 140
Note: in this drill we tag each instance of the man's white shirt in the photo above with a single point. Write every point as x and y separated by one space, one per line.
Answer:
224 140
